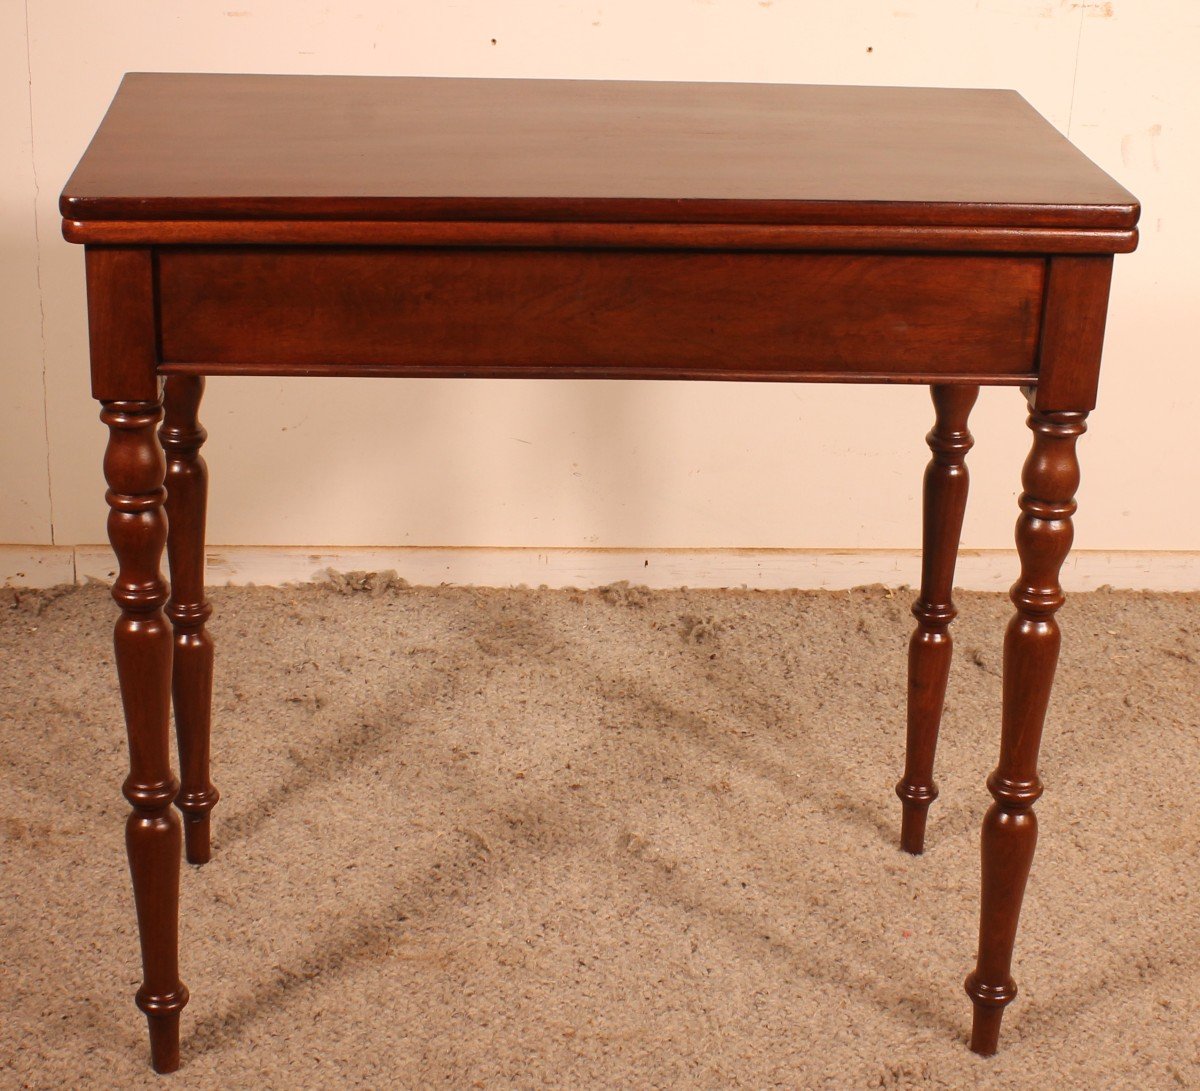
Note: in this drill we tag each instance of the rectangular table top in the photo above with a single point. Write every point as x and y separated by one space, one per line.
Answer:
230 147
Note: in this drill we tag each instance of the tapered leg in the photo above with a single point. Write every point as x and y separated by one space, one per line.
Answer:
187 495
946 481
1031 642
137 527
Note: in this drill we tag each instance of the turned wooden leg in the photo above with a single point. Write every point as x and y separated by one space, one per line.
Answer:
187 494
1031 642
929 651
137 527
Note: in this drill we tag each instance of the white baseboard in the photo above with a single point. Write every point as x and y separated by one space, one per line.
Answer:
767 569
36 566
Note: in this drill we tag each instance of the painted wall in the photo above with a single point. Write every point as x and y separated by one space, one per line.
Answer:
427 462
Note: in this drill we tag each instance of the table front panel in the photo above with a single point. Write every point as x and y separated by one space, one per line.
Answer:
496 312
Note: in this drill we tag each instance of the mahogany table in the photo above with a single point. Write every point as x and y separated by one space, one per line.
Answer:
304 225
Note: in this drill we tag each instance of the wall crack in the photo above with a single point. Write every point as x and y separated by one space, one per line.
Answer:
37 245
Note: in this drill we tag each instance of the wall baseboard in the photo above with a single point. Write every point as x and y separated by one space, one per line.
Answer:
767 569
36 566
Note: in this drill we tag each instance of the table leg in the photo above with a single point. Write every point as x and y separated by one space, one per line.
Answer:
1031 643
929 651
182 437
137 527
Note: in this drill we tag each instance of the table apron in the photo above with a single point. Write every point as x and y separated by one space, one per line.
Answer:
642 313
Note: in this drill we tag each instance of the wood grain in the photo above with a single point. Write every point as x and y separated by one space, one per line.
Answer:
137 528
662 236
484 312
1073 332
931 647
184 145
182 436
1031 642
122 323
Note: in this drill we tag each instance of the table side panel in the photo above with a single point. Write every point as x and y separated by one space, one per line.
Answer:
660 313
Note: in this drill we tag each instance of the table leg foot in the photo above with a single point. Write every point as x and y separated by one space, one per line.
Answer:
137 527
197 843
1031 644
162 1017
985 1023
182 436
929 651
912 823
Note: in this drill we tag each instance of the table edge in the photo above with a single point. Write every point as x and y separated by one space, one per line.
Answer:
604 235
1121 214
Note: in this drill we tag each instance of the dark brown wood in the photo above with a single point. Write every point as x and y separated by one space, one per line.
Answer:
368 226
664 236
137 527
725 374
1031 642
473 312
1073 332
193 146
122 323
182 436
931 646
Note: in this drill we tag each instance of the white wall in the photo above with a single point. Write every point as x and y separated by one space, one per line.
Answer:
450 463
24 452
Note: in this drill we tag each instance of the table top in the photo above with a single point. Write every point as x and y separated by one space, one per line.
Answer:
186 146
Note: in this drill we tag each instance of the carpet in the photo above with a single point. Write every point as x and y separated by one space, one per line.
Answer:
521 838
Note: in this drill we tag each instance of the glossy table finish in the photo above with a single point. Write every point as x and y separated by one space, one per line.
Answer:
300 225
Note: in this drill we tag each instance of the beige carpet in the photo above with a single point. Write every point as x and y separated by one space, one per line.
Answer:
496 839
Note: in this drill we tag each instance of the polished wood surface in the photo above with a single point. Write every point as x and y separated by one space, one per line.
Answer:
137 528
465 312
187 145
122 323
1072 336
607 236
931 647
550 229
182 436
1031 643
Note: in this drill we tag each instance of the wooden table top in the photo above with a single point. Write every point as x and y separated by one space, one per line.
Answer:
197 147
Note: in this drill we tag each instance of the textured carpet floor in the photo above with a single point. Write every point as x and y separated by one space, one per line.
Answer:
500 839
